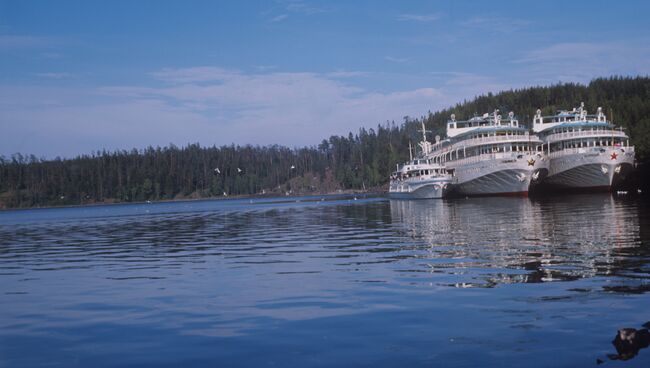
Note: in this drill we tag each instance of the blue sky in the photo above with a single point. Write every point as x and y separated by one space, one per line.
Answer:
80 76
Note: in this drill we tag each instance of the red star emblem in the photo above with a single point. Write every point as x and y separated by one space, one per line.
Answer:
614 155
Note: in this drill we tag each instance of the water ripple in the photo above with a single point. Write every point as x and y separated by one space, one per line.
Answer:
231 268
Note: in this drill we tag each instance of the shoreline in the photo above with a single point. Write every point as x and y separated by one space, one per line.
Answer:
220 198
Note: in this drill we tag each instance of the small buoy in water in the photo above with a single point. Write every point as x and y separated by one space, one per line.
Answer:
355 198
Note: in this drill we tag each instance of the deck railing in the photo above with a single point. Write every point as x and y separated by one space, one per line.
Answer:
585 133
491 156
487 140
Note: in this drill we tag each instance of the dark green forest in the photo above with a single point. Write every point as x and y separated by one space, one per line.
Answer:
359 161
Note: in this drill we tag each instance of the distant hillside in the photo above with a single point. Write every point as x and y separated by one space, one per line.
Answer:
358 161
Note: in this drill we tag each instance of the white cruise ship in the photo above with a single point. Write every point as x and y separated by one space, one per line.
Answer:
420 178
585 151
490 155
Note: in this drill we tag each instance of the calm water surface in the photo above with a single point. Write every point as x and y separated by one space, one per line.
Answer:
310 283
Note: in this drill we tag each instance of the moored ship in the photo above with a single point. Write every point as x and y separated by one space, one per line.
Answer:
490 155
585 151
420 178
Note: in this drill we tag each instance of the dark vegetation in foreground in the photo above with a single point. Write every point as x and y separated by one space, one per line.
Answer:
357 162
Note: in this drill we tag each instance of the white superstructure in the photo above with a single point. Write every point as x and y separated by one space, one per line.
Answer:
420 178
491 155
585 151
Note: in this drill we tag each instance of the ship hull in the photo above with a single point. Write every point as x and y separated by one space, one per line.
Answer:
590 170
501 182
431 190
502 175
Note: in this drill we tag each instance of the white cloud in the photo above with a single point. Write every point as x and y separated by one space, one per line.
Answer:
475 84
496 24
295 7
55 75
304 8
563 51
196 74
215 105
397 59
52 55
348 74
23 41
425 18
583 61
279 18
209 105
264 68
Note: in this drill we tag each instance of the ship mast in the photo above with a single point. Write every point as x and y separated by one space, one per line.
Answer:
425 145
424 133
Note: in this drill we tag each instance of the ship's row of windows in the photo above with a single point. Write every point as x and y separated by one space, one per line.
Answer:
501 148
418 173
581 143
500 134
580 129
494 148
425 172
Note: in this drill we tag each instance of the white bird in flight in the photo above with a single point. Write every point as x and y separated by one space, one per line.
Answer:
238 170
292 167
217 170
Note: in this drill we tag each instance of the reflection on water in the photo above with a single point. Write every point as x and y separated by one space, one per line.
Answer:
323 281
514 240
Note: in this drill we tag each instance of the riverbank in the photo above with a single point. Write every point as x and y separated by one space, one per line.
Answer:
179 199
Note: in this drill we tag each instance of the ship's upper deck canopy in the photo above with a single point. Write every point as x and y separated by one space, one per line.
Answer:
567 119
485 123
419 163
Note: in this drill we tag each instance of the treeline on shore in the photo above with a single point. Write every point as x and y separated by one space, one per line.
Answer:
358 161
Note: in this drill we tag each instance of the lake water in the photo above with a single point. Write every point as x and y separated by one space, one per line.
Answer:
305 282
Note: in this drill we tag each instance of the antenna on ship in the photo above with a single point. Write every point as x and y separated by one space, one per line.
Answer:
410 152
424 132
